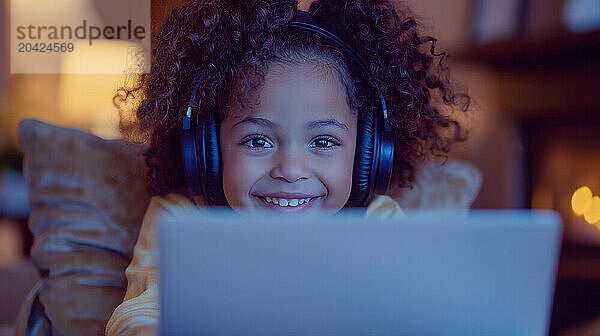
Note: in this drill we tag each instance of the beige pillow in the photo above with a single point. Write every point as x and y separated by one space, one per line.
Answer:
87 197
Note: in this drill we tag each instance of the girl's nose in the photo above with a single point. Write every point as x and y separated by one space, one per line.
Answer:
290 165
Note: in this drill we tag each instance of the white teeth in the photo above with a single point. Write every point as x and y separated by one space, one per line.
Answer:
284 202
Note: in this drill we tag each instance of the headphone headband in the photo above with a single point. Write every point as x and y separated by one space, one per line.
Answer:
304 20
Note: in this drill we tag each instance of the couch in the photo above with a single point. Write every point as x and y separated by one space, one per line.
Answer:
88 197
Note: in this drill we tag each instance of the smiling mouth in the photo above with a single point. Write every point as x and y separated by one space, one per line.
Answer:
287 202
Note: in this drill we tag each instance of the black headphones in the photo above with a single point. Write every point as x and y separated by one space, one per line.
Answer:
374 142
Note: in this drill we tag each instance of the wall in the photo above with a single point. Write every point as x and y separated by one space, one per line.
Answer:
493 146
3 67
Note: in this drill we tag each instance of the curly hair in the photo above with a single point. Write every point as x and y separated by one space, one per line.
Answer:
226 46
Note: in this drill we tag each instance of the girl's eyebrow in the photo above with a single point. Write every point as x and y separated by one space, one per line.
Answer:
327 122
310 125
257 121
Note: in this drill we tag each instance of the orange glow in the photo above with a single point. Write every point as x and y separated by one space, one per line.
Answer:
592 211
580 200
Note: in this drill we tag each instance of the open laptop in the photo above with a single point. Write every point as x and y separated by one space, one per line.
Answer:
438 273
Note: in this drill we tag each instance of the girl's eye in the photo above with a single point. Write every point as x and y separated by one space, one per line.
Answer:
322 143
258 143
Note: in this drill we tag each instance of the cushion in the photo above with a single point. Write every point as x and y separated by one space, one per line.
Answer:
87 198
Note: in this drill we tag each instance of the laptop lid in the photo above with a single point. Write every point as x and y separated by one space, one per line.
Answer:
438 273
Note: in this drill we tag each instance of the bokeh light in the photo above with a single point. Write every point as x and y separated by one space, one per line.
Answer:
580 199
592 211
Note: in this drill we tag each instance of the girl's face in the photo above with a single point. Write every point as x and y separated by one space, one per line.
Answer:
294 152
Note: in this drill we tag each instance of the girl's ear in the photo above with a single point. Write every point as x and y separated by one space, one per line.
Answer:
453 185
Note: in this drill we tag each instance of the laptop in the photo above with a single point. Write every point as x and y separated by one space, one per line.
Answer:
491 272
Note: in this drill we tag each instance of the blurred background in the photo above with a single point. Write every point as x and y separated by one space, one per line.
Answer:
529 65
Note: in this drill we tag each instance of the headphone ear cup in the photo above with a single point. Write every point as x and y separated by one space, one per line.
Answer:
190 153
384 163
213 178
366 141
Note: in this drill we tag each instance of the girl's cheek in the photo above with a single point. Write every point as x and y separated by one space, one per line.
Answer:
336 175
233 175
240 172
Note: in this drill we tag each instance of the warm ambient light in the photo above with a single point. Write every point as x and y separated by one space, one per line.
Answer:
592 211
85 100
585 203
580 199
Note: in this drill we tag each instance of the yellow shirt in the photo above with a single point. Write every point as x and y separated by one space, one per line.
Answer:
139 312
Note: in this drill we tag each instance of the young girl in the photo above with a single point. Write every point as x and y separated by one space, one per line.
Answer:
289 106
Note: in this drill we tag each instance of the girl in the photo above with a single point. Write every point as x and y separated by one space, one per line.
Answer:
289 108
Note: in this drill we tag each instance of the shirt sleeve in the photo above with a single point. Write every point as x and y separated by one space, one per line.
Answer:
138 314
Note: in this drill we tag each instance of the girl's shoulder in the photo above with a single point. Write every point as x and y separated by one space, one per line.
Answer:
384 206
178 200
172 202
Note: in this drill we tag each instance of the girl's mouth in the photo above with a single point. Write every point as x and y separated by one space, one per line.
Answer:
287 204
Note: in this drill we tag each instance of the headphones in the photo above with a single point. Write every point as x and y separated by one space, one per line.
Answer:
373 158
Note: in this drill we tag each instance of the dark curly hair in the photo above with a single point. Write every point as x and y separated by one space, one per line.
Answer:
227 46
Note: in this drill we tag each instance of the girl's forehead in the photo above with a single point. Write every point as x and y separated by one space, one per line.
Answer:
297 92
